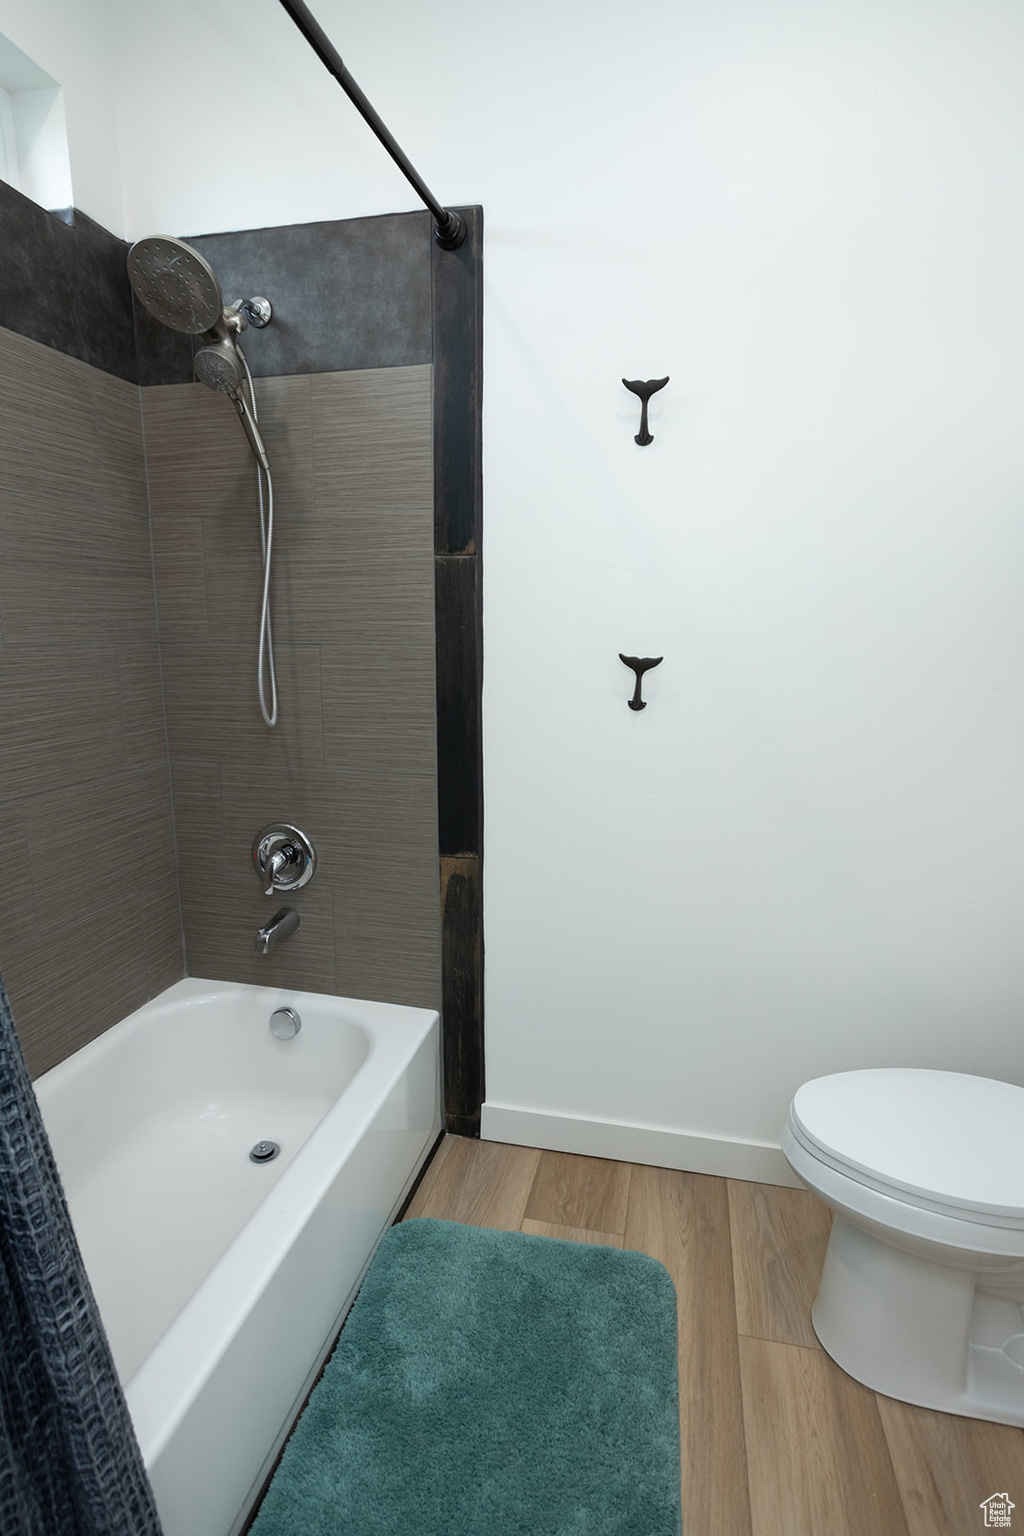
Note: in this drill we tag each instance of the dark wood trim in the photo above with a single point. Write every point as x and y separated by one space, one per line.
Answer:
459 790
462 1048
458 366
457 288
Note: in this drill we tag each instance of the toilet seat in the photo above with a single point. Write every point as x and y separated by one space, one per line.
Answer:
940 1141
922 1287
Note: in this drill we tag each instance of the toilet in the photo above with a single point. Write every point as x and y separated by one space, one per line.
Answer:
922 1290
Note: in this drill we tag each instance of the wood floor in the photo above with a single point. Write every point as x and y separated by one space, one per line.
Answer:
776 1439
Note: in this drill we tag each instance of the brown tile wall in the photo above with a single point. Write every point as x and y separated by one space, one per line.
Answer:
353 758
90 924
101 692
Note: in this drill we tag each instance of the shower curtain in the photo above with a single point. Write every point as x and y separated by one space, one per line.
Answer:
69 1462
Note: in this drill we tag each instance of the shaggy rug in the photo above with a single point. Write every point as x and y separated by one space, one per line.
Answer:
491 1384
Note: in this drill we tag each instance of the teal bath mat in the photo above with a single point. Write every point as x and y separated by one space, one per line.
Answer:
491 1384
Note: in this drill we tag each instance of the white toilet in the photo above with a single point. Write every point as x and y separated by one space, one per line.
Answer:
922 1291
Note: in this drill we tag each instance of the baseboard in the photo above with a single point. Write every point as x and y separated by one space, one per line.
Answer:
759 1162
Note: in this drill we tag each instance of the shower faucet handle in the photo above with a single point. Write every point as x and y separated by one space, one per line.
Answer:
284 858
279 861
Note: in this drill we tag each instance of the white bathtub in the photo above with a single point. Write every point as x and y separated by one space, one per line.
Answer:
222 1282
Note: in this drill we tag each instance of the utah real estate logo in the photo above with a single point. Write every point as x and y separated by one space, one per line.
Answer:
997 1511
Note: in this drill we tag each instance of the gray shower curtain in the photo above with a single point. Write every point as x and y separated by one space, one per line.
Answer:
69 1462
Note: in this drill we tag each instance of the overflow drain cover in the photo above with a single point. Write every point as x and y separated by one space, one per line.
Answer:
264 1152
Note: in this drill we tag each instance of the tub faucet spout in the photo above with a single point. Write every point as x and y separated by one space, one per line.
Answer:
280 926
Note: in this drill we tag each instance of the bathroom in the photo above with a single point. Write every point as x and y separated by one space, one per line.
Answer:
804 855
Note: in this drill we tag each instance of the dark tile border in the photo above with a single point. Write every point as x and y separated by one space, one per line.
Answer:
457 281
347 294
462 990
64 284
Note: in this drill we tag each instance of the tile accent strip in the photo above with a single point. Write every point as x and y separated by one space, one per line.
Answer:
462 985
64 284
347 294
457 278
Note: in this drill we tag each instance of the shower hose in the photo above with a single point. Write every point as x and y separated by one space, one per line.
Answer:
265 655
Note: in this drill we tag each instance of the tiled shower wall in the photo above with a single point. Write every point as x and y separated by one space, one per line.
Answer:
129 535
90 922
352 760
90 925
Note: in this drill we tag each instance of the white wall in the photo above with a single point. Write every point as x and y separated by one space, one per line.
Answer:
71 41
807 853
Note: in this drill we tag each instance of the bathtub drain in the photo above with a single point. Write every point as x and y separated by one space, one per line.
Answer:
264 1152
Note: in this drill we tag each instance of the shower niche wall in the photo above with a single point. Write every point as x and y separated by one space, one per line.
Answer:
142 713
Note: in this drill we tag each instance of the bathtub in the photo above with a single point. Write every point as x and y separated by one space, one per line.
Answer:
221 1281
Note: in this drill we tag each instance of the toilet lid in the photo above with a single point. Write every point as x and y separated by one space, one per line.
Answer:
940 1136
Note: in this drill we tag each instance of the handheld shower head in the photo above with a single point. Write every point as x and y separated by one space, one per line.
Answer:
176 284
218 365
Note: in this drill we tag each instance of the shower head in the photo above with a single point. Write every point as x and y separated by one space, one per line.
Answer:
176 284
178 287
218 366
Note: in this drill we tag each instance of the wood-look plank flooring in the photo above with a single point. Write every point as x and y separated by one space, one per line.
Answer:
776 1440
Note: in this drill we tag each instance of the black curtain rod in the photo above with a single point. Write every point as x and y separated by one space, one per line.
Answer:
450 230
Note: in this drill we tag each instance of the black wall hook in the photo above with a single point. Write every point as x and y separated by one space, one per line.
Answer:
640 665
645 388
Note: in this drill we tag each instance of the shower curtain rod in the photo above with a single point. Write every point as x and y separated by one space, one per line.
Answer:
449 230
